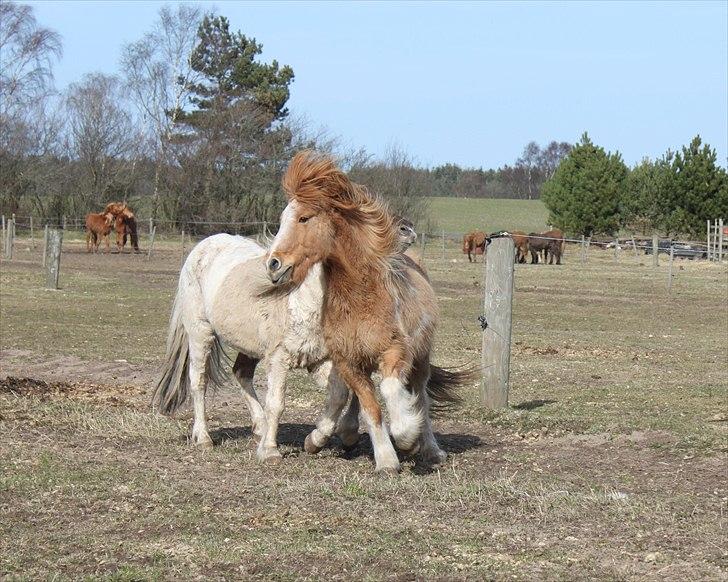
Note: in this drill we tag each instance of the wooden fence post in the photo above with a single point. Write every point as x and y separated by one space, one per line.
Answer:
496 353
720 240
708 242
45 244
422 253
583 249
655 245
2 238
616 250
64 222
10 239
669 271
183 247
53 258
715 238
151 242
634 248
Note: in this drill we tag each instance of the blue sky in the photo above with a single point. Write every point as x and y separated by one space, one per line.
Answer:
469 83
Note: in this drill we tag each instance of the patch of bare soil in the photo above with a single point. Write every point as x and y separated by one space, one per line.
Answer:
25 363
94 393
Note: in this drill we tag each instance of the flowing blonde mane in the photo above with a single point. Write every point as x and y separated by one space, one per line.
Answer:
313 179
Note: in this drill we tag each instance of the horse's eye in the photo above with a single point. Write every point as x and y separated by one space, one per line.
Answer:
304 219
403 229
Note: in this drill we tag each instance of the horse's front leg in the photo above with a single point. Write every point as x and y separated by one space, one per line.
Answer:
274 403
360 383
337 394
405 415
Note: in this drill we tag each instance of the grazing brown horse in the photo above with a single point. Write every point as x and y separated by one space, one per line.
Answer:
474 242
379 311
550 242
520 239
98 226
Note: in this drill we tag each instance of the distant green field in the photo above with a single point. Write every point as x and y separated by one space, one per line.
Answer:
464 214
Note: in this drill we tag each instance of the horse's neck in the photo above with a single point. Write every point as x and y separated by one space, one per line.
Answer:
305 303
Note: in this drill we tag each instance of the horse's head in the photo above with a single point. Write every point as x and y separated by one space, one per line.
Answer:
305 237
327 215
466 242
405 233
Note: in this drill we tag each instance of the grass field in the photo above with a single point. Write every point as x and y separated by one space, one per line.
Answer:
609 464
459 215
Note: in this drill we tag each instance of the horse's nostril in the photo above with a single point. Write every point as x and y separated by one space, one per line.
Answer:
274 264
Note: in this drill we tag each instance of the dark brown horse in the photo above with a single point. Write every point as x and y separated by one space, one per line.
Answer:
126 226
551 243
98 226
474 242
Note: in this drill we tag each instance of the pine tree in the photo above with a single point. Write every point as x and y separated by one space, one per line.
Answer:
698 190
584 196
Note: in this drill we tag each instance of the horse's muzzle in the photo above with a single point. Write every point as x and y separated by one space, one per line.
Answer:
277 273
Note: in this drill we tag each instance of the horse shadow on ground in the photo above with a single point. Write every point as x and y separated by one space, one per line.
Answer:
533 404
293 435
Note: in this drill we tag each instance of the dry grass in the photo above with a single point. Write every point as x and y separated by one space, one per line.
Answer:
609 465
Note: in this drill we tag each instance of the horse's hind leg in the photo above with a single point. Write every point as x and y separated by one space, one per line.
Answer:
198 356
244 369
336 396
429 449
348 427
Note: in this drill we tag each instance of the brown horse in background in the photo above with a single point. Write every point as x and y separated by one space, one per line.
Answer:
98 226
550 242
126 225
474 242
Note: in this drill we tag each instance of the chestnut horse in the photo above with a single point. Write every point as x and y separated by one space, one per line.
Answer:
474 242
379 310
98 226
550 242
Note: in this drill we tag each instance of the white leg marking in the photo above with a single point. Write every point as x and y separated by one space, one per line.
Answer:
406 417
337 394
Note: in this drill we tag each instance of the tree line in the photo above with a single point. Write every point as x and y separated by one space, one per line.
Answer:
594 192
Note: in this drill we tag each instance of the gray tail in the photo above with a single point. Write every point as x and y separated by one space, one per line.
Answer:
173 387
443 387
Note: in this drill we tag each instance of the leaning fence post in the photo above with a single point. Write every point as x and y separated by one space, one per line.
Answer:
496 352
151 242
669 271
655 259
53 258
45 244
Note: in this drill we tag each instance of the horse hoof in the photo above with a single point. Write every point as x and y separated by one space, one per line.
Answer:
310 447
434 458
270 456
387 471
205 444
273 461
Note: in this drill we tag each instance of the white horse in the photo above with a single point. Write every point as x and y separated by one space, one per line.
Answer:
224 296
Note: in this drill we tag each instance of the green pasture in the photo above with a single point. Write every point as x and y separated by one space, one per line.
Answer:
459 215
